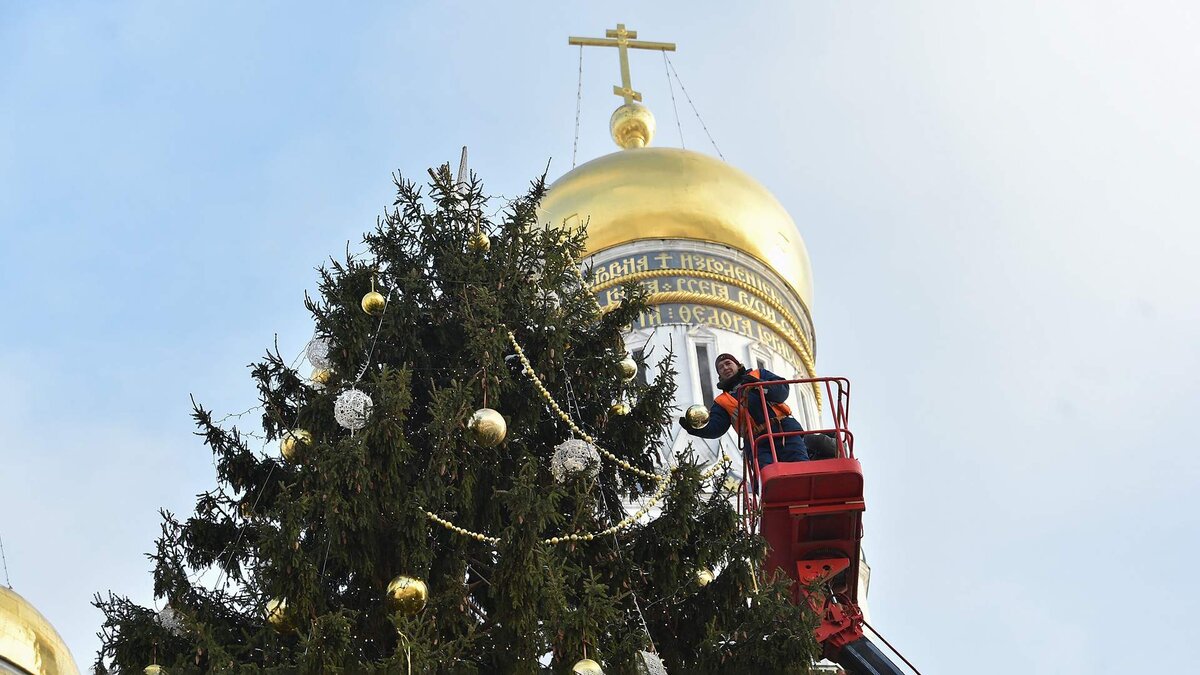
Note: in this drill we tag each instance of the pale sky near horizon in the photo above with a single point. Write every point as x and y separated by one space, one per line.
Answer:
1000 201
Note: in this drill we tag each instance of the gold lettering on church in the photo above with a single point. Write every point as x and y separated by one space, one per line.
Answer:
745 301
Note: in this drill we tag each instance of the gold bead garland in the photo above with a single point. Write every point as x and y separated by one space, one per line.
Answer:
711 471
664 481
477 536
718 465
537 383
626 523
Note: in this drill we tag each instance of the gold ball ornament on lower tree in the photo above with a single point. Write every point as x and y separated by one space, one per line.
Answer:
278 616
620 408
486 427
321 375
406 594
373 303
586 667
154 669
479 242
629 368
704 578
292 441
696 416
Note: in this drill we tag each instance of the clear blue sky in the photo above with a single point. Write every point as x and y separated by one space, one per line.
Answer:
1000 200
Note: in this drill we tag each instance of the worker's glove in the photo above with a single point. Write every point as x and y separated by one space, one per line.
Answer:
683 423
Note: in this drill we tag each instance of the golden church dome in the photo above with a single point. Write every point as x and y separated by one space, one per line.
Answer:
667 193
28 641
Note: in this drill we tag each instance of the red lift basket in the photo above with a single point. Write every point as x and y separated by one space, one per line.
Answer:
811 513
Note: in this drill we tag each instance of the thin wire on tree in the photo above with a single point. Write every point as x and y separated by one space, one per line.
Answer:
328 542
374 338
573 403
671 88
240 415
241 531
632 593
689 100
197 576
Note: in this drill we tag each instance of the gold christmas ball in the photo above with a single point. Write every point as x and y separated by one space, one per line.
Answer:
246 508
373 303
619 408
479 242
292 441
629 368
487 427
153 669
586 667
704 578
278 616
696 416
407 595
321 375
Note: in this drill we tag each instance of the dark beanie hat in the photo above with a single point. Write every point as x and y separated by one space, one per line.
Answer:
723 357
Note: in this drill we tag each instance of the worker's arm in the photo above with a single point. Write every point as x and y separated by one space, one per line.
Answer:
776 393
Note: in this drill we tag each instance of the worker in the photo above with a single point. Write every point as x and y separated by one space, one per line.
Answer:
737 402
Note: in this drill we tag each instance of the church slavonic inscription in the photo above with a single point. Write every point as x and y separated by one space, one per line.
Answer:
749 288
743 300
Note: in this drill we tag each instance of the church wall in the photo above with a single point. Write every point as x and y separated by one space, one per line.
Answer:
711 299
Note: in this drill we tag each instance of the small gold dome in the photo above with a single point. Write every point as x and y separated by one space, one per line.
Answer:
28 641
632 125
669 193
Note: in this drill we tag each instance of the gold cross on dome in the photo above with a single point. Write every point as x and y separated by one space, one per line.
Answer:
623 40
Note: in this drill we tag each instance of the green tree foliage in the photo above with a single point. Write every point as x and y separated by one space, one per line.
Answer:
329 529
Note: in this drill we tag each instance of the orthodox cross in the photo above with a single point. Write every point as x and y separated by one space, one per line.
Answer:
623 40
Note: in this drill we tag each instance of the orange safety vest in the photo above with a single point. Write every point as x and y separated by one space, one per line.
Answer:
730 404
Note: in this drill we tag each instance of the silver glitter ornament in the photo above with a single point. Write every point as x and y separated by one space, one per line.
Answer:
572 456
352 409
649 663
318 352
168 618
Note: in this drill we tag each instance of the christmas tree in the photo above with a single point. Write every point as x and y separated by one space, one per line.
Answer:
469 481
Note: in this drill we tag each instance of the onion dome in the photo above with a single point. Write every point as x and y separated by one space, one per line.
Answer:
28 642
641 193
